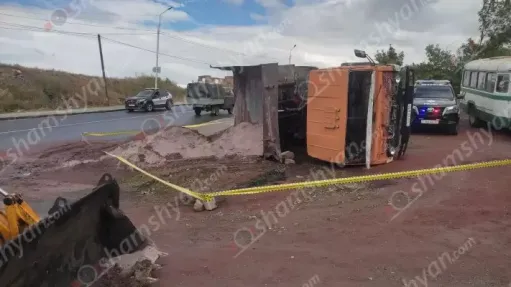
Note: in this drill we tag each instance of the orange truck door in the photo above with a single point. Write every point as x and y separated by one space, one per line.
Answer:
327 114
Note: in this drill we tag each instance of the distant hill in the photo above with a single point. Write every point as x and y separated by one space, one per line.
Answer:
24 89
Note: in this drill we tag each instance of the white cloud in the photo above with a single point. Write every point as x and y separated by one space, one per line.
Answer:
257 17
234 2
271 3
325 32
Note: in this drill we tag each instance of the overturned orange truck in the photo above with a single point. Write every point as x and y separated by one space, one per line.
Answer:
354 114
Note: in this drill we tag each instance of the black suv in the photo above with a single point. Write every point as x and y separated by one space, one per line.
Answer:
435 104
149 99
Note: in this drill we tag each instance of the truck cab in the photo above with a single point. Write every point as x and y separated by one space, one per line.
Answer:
358 113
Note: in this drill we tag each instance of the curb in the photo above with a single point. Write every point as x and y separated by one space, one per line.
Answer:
14 116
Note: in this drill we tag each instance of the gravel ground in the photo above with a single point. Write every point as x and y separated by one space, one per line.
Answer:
448 230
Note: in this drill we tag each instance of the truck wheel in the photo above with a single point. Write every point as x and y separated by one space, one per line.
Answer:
214 111
197 111
229 111
473 120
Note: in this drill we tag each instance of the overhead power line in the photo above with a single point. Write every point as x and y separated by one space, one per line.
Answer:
145 30
74 23
20 27
201 44
154 52
214 47
39 29
45 14
36 29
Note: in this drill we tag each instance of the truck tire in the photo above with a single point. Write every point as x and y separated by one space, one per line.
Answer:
215 111
473 120
197 111
229 111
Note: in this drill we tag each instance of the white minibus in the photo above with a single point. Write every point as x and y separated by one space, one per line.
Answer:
485 93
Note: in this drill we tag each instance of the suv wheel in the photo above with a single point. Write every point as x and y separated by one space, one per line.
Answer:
149 107
168 105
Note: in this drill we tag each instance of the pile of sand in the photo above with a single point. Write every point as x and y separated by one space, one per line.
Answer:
244 139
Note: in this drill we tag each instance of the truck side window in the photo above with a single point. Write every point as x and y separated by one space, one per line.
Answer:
502 83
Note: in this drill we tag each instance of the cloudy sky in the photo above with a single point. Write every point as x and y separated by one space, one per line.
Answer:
61 34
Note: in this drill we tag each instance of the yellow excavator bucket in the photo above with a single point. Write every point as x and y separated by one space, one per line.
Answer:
70 246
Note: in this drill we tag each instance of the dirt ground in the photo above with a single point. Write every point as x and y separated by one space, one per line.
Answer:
450 230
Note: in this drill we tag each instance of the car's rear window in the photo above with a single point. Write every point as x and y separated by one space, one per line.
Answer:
436 92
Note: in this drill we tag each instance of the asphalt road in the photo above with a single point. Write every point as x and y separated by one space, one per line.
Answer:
42 132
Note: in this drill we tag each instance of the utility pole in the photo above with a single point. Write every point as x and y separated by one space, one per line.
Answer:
103 69
157 69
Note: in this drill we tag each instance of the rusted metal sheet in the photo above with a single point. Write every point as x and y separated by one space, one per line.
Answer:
270 111
256 95
248 89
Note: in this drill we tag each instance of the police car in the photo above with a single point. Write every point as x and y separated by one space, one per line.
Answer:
435 104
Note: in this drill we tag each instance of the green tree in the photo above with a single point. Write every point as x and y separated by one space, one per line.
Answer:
469 51
390 56
494 40
494 28
441 64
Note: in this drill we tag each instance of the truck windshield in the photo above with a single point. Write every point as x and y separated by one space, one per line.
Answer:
436 92
144 94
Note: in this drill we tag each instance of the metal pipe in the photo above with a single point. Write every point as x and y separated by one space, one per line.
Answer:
290 53
3 192
158 48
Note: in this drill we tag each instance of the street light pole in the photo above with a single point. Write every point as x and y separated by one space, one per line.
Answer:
290 53
158 48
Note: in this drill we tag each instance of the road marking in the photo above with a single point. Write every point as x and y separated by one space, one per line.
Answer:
78 124
130 132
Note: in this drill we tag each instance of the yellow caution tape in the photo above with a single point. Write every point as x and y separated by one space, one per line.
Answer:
104 134
362 178
176 187
319 183
203 124
131 132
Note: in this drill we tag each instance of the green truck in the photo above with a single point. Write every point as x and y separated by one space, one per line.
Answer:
210 97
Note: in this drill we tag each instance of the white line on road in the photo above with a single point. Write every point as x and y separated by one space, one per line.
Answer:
78 124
